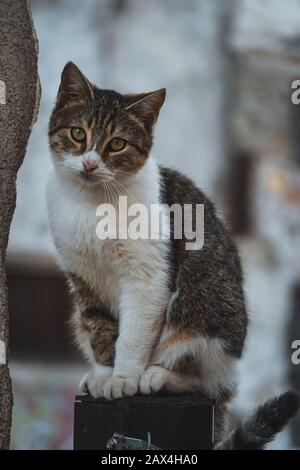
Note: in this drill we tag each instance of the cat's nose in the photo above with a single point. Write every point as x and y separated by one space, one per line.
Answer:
90 165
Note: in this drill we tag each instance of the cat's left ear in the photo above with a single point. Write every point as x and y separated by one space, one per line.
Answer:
146 106
74 86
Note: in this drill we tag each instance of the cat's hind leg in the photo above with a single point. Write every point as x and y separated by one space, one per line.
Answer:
157 378
187 362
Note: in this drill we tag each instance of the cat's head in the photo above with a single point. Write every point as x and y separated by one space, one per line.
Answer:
96 134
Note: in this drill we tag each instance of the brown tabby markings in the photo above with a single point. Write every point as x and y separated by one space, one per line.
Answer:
89 136
136 121
124 163
175 337
94 319
62 143
103 334
104 114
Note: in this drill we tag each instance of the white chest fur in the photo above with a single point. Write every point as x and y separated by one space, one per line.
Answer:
104 264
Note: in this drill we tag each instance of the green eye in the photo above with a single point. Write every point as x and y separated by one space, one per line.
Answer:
117 144
78 134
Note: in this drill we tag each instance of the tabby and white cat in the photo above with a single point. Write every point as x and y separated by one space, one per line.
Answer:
149 315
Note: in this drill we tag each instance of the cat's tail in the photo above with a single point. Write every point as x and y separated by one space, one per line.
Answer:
262 426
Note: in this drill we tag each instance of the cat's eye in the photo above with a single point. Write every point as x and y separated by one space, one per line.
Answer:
78 134
117 144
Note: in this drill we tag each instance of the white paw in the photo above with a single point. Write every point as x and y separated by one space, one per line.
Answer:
153 380
93 382
83 384
119 387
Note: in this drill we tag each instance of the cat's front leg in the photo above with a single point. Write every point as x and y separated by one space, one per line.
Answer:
94 380
96 332
141 314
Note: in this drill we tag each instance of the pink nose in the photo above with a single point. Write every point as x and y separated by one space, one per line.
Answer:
90 166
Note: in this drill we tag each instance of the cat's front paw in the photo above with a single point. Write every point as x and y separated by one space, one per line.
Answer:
119 387
93 382
153 380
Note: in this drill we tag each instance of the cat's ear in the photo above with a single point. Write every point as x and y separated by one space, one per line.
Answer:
74 86
146 106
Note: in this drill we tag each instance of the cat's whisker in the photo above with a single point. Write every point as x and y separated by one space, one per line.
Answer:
126 174
120 190
111 194
115 192
105 190
123 188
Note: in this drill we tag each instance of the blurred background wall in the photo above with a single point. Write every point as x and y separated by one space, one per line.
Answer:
228 122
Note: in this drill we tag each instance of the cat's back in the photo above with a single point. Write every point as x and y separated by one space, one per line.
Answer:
176 188
218 251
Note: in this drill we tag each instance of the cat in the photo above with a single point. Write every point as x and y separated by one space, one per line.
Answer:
149 315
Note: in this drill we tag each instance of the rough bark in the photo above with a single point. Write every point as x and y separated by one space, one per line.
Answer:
18 110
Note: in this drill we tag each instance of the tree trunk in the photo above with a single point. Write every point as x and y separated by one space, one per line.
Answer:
19 99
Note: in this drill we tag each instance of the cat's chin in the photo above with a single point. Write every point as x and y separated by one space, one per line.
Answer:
90 179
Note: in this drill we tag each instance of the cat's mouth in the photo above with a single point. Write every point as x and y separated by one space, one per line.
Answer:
89 177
